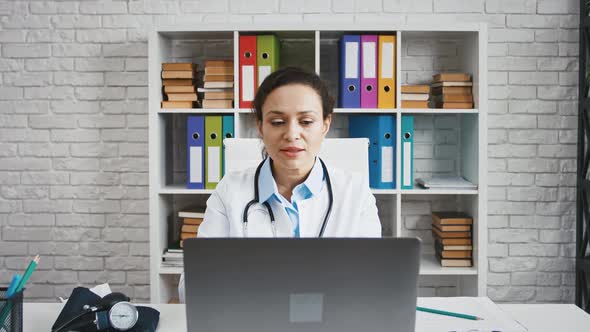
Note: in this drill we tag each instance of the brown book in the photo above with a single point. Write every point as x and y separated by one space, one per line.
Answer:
450 235
452 90
415 104
182 97
192 221
180 74
219 95
439 244
455 253
219 78
218 85
180 89
177 104
184 235
452 228
172 66
454 105
450 83
415 89
218 103
190 228
219 63
219 70
452 218
453 262
452 98
173 82
456 77
453 242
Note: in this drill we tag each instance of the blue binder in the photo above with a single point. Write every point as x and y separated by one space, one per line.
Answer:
380 130
350 79
407 138
195 156
228 132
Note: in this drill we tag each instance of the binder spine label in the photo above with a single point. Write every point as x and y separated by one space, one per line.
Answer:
247 83
196 155
387 164
352 52
369 56
387 61
407 180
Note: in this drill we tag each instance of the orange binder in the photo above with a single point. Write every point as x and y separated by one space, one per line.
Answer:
386 72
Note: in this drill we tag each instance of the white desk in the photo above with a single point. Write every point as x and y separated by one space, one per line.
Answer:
535 317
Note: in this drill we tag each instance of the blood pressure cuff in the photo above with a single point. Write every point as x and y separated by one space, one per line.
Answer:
81 296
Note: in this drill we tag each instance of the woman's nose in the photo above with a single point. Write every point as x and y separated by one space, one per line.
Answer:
293 131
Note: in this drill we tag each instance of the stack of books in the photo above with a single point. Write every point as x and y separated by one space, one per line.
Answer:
190 224
179 82
415 96
219 84
452 90
452 232
172 257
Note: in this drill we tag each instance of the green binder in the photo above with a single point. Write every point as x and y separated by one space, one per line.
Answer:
213 144
267 57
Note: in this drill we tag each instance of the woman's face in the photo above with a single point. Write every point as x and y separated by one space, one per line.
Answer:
292 126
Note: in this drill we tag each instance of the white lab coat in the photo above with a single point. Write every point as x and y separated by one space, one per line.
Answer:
354 212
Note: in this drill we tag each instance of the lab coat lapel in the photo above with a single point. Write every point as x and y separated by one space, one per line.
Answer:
311 214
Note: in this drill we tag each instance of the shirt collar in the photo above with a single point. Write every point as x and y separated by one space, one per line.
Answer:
267 185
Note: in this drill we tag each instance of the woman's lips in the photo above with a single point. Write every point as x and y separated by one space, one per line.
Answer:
292 152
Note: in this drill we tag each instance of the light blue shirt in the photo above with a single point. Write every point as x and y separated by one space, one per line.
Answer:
312 186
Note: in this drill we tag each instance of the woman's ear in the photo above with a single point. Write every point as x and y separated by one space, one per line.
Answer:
259 125
327 122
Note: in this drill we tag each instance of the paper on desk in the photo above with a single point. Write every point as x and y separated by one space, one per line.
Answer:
494 319
100 290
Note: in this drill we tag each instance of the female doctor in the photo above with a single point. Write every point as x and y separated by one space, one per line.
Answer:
292 193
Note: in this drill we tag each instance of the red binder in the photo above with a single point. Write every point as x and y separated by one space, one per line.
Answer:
247 49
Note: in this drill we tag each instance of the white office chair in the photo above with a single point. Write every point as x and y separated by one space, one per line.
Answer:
350 154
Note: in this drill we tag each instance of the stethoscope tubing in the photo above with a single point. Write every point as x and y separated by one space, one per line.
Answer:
269 209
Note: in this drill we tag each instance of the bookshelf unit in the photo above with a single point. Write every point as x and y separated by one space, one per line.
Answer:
447 142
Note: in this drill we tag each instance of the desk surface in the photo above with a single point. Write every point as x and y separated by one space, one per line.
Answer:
535 317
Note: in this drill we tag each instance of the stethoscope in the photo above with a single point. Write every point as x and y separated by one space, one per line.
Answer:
269 209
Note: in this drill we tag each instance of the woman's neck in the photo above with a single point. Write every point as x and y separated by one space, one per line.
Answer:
288 179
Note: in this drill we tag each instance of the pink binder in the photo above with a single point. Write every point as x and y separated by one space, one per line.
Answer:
369 50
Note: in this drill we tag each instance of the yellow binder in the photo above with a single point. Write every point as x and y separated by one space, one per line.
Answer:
387 70
213 144
267 60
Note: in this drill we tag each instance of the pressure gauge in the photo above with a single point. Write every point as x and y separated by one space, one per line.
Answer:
123 316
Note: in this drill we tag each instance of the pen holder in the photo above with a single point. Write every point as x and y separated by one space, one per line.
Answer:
11 311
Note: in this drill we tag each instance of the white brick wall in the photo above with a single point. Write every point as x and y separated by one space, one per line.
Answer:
73 133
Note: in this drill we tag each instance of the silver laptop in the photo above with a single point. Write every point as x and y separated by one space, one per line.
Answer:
288 285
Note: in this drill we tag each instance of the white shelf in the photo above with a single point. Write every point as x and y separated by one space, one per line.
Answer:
430 266
365 110
170 270
196 110
439 111
422 191
182 190
465 135
404 111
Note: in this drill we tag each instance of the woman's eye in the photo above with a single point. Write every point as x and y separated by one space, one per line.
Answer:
276 122
307 122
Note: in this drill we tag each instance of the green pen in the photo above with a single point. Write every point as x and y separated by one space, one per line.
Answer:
28 273
448 313
21 285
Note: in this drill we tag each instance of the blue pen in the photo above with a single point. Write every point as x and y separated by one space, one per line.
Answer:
13 284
